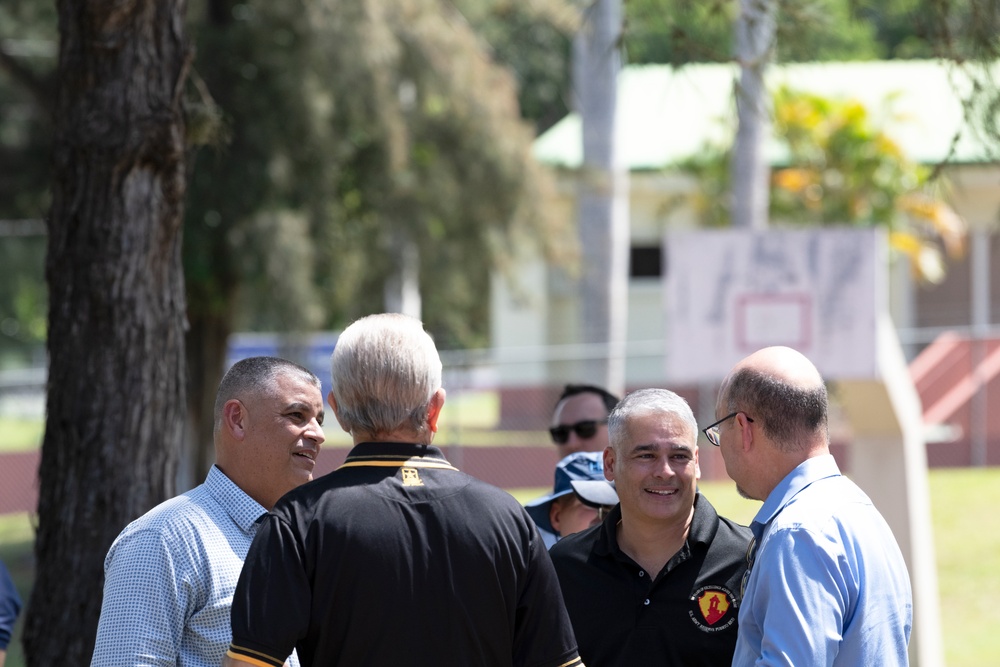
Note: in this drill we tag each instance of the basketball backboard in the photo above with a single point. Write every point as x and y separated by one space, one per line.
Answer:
731 292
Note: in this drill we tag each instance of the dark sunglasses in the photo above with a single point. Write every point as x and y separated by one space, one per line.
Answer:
584 430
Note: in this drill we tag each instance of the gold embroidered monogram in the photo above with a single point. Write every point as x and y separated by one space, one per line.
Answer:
411 477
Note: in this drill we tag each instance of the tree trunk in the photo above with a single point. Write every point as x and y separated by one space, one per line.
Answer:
115 410
210 261
402 287
603 212
206 347
755 35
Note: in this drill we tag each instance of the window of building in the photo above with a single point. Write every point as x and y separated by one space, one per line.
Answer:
646 262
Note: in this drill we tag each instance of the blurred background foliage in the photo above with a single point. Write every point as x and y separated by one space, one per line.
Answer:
332 142
328 138
841 167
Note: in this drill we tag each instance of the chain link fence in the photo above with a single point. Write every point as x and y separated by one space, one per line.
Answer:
498 409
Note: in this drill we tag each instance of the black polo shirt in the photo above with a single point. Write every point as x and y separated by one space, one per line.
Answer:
685 616
397 558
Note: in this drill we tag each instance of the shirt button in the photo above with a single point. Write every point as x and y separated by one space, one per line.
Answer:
641 573
646 602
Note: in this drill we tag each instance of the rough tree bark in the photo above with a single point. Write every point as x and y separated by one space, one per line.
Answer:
115 410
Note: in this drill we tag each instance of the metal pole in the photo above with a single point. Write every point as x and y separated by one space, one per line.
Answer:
980 277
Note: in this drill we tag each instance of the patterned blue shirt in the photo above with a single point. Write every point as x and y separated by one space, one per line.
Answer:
10 606
828 585
170 577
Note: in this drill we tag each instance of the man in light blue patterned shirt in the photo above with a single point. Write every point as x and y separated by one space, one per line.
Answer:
827 583
171 574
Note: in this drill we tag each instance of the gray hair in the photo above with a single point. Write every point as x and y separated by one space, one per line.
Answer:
384 371
643 402
254 376
789 415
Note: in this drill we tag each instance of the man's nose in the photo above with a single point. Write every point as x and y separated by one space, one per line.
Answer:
315 431
663 468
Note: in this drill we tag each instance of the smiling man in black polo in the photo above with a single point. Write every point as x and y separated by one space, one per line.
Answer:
397 558
658 581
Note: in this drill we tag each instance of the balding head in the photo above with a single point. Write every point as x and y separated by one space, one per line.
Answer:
783 363
785 395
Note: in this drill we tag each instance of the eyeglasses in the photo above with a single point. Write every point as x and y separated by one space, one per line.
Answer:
585 430
712 432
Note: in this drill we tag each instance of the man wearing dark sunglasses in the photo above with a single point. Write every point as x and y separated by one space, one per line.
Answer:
580 418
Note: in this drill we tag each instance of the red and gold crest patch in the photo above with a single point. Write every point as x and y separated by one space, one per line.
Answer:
715 608
713 605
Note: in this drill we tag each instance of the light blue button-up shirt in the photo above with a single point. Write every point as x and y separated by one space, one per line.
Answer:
828 585
170 577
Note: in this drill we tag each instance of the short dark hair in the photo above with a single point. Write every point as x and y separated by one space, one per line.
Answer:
610 400
256 374
787 414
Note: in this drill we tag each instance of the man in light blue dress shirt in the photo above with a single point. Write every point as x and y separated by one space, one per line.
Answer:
170 575
827 583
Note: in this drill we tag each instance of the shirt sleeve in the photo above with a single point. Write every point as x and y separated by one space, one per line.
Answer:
10 607
144 606
543 632
804 595
273 601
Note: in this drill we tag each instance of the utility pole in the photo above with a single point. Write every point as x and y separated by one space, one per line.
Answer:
602 204
755 37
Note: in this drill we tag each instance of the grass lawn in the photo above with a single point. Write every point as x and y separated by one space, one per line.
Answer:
966 543
20 435
967 546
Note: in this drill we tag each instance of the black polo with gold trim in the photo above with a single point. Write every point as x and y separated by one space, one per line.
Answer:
398 558
686 615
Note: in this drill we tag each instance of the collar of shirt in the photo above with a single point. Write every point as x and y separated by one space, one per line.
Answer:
702 530
375 454
807 472
241 508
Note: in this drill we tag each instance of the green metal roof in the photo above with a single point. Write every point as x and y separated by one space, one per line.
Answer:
666 114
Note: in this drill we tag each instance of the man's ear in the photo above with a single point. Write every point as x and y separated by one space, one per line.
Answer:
609 464
434 409
234 418
336 411
746 432
555 509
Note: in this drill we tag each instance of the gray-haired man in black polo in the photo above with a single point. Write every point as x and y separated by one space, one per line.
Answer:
397 557
658 581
